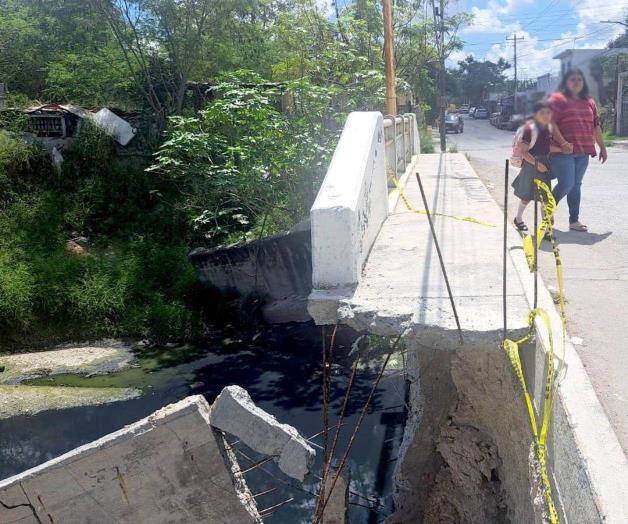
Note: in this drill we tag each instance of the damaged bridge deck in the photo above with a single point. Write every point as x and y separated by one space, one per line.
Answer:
402 285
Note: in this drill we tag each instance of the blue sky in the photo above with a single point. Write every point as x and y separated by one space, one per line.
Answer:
548 27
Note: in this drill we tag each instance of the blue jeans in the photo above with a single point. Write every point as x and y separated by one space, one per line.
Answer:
569 170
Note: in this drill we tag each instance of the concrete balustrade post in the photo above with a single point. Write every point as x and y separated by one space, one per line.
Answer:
351 205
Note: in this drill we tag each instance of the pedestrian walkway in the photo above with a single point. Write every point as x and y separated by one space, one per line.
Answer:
403 285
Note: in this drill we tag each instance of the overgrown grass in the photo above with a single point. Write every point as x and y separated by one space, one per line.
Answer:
427 145
609 138
133 279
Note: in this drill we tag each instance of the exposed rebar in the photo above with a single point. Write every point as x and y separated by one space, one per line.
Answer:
505 249
325 499
440 258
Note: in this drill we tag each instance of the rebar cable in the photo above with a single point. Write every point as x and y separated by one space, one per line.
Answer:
440 258
345 403
505 249
343 460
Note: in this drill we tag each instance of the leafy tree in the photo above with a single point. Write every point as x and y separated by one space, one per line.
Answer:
478 78
621 40
242 163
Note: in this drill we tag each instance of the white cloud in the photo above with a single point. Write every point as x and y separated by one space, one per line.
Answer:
536 54
487 20
484 21
456 56
509 7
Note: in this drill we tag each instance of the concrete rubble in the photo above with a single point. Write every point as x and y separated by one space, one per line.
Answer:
233 411
172 466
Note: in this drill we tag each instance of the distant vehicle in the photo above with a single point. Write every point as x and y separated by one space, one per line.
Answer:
514 122
495 118
454 122
480 113
471 111
464 109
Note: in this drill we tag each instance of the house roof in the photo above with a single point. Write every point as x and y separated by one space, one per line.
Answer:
60 108
591 52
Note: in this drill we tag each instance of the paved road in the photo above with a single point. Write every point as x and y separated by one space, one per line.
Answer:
595 263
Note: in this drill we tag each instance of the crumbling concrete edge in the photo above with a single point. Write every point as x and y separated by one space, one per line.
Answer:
235 412
587 456
323 304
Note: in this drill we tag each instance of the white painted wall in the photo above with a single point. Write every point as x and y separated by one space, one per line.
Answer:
351 205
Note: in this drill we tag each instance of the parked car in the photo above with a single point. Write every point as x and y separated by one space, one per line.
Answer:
495 118
471 111
454 122
480 113
514 122
464 109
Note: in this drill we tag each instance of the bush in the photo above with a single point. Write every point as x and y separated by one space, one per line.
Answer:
137 286
17 287
427 145
23 167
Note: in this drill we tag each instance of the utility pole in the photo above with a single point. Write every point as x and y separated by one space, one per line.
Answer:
514 97
439 24
389 58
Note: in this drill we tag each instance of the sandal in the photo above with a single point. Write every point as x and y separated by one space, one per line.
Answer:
577 226
520 225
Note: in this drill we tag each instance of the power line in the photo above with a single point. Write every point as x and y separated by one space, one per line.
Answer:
549 6
561 44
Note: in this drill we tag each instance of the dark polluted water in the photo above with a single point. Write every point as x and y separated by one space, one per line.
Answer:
281 369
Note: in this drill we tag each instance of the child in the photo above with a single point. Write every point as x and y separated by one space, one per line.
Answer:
536 144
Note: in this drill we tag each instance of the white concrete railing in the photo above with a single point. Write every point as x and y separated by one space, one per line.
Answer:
402 141
352 202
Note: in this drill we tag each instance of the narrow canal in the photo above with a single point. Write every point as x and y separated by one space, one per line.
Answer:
281 369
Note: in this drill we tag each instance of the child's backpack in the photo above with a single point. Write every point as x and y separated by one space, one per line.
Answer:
516 157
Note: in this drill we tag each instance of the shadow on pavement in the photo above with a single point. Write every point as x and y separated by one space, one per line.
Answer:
576 237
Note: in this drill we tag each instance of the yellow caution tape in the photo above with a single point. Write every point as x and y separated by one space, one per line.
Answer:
549 206
551 384
512 347
412 209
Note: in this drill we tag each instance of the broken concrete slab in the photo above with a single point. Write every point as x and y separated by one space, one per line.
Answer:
18 399
106 356
233 411
168 467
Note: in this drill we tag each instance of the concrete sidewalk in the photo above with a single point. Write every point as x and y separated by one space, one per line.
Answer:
402 289
594 264
403 285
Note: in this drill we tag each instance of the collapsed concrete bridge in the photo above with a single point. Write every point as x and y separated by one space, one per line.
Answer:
468 451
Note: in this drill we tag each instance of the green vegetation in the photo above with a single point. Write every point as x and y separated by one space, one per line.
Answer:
427 143
609 137
132 279
238 156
